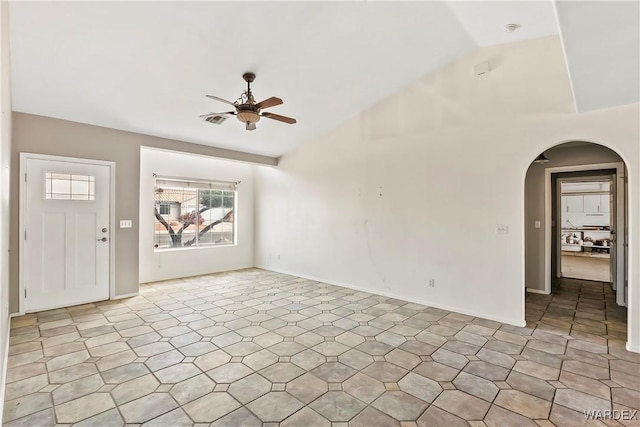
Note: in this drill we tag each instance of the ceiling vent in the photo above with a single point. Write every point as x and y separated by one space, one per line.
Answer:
216 120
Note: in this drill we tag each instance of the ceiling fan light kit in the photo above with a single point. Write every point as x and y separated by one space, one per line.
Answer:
247 110
248 116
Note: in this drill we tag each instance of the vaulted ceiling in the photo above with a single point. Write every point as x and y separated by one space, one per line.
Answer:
146 66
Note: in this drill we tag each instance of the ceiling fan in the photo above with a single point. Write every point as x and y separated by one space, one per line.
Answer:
248 111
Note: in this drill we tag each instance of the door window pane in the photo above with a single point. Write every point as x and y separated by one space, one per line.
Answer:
59 186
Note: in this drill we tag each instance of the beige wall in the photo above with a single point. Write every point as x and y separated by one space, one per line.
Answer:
5 163
534 202
44 135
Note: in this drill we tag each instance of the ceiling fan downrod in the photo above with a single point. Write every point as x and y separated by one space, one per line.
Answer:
249 78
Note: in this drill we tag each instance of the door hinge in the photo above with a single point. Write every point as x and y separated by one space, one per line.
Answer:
25 234
25 177
25 292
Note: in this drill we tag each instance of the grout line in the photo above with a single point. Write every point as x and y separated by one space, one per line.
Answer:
582 294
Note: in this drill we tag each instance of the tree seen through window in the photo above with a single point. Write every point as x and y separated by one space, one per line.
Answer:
188 217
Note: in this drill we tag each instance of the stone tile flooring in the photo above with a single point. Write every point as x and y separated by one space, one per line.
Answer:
257 348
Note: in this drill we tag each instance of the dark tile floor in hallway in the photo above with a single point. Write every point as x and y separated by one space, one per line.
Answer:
258 348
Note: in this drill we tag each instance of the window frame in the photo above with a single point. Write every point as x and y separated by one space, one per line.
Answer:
197 185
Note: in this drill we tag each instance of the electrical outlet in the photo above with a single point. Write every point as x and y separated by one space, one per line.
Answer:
432 283
537 224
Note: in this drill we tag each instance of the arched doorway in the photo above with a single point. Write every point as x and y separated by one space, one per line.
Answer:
575 251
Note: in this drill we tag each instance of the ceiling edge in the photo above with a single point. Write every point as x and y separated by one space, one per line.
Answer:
564 54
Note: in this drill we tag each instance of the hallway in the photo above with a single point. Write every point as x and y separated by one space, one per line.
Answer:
586 266
582 309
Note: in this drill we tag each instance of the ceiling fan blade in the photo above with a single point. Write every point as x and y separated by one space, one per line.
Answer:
204 116
220 99
279 118
269 102
251 126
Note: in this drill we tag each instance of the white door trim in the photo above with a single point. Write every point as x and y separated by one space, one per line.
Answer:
548 240
22 221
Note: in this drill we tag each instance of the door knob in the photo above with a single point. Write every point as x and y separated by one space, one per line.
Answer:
104 239
104 230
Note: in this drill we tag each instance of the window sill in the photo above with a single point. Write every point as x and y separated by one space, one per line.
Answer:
191 248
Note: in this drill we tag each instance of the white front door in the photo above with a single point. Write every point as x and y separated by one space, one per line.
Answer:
67 235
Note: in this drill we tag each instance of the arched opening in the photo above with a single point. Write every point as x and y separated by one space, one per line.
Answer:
576 230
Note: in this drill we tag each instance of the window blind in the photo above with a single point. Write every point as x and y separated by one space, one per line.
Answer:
165 182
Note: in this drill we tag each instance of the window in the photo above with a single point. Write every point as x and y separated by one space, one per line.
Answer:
62 186
190 213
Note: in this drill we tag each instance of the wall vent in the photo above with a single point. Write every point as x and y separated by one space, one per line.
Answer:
216 120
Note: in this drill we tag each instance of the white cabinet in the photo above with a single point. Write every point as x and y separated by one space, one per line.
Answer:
604 203
596 203
588 203
574 204
591 203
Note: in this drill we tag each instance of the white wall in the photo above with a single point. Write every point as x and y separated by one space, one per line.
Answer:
413 188
5 162
169 264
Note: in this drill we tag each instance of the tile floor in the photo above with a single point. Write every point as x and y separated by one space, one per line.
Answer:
258 348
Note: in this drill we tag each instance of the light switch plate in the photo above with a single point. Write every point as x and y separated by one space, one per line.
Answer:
126 223
537 224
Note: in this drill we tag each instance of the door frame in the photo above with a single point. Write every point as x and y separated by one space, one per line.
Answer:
613 180
548 229
22 222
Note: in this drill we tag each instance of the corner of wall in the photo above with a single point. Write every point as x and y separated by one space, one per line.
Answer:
5 163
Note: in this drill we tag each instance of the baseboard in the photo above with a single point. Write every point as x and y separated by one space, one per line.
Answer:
12 315
146 280
123 296
396 296
537 291
632 348
3 374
